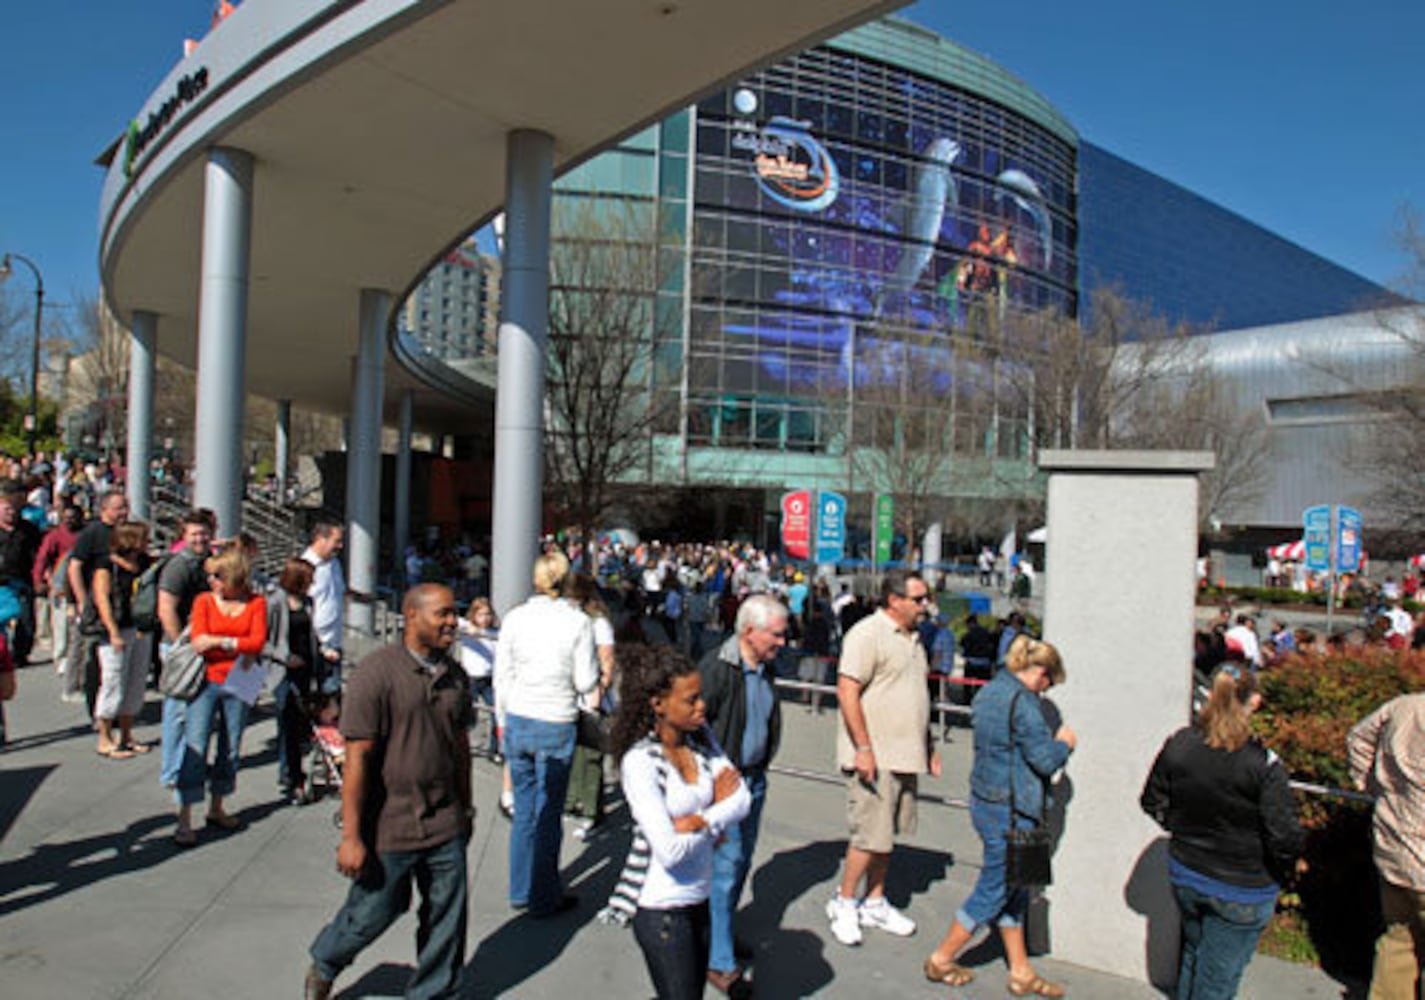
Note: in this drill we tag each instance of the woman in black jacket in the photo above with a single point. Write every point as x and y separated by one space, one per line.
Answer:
1225 800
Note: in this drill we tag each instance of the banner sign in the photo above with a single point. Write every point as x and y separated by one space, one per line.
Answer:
830 527
885 527
796 524
1316 534
1348 540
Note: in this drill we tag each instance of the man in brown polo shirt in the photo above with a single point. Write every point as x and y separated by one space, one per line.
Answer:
882 745
405 803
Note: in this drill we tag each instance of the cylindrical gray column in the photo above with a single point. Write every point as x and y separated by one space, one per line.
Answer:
401 528
363 460
143 337
282 446
519 404
222 336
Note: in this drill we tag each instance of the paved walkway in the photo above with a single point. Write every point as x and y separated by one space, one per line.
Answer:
95 901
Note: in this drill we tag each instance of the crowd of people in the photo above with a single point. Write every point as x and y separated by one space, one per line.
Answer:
660 663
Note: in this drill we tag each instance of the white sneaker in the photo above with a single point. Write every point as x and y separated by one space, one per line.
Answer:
845 926
876 912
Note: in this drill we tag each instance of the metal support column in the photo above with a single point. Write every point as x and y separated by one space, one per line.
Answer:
222 335
402 526
282 446
519 404
143 337
363 460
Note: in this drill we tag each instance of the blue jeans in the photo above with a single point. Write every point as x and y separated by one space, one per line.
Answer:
1219 938
482 691
539 754
732 860
992 899
675 947
383 893
172 742
212 706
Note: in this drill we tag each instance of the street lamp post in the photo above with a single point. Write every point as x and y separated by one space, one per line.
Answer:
32 422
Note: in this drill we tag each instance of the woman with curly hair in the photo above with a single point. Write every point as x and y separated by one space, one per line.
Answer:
683 793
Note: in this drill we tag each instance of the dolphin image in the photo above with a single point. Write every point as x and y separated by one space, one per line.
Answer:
1027 196
933 193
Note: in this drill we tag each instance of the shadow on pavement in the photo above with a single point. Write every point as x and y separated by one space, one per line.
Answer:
61 868
45 739
20 787
522 945
791 962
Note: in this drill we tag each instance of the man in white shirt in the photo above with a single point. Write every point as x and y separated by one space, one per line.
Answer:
1245 633
328 590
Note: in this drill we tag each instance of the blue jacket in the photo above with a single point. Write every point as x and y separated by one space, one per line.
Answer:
1035 756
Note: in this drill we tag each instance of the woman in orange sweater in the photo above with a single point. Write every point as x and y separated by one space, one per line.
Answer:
228 626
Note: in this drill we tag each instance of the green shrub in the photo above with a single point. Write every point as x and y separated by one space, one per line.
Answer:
1284 597
1310 703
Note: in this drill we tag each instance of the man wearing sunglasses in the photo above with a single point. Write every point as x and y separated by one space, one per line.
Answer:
883 745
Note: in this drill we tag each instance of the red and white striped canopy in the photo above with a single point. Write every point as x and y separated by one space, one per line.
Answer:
1289 551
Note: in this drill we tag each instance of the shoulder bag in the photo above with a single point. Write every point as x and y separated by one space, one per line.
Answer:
184 670
1027 851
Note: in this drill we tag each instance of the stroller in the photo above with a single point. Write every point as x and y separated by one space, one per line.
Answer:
328 753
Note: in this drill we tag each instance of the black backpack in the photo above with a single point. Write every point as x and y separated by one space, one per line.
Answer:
145 600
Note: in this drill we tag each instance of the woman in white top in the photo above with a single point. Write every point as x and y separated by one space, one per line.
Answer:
544 660
586 776
479 634
683 793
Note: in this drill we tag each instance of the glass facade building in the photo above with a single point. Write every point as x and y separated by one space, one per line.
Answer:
836 232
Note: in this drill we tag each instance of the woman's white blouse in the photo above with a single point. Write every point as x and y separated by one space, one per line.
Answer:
680 865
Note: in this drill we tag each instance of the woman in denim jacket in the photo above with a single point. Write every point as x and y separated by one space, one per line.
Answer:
1031 668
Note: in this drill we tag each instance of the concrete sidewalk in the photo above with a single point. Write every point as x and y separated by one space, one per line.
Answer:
95 901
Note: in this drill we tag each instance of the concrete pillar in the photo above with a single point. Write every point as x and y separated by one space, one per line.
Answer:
143 338
282 446
931 552
222 336
363 460
1119 606
402 523
519 403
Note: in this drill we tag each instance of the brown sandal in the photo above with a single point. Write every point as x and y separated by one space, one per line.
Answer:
1035 985
951 973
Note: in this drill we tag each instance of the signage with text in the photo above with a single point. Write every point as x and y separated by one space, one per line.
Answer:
1316 535
885 526
830 527
796 524
1348 539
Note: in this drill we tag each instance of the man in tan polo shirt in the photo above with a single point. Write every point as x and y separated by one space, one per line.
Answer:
882 745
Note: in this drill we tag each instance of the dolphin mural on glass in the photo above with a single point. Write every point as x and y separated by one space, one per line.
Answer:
1026 194
933 193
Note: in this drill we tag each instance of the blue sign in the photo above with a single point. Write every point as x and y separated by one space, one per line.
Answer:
1316 534
830 527
1348 540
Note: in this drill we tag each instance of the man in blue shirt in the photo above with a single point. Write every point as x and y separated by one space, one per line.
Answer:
744 715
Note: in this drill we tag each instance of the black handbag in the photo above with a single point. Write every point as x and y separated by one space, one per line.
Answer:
1027 853
592 731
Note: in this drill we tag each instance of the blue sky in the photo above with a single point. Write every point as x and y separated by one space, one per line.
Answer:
1304 117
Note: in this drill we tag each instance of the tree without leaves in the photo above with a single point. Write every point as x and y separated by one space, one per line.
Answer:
601 407
1389 453
1128 379
907 420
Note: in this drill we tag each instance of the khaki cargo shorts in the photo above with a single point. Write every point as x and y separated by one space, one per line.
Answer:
878 814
